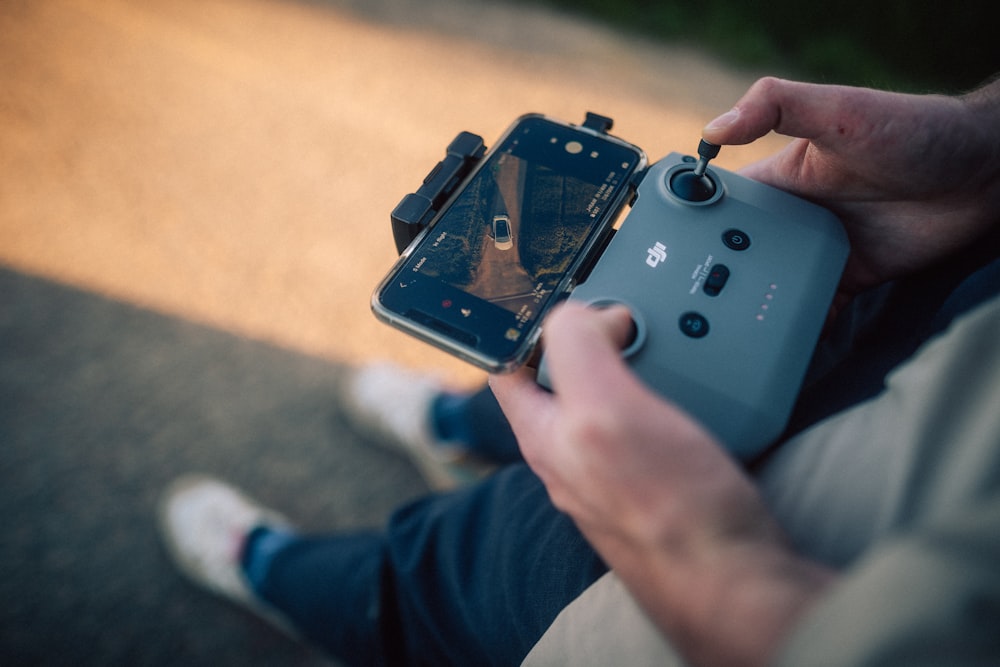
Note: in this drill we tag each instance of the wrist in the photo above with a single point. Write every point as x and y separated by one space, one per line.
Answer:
732 602
758 600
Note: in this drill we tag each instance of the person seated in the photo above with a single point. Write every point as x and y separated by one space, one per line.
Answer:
621 532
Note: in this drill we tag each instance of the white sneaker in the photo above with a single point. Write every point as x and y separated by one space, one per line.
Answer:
204 524
393 404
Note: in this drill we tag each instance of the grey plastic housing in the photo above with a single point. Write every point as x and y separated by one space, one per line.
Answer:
733 357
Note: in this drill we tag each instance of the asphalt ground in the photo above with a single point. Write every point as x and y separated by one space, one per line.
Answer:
102 404
193 213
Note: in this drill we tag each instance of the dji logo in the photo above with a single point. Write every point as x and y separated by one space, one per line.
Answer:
657 254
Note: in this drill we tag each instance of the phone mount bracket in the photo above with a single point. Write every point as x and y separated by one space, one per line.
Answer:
416 209
598 123
465 151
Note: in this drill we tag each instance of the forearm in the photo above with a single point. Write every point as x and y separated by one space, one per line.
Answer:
719 604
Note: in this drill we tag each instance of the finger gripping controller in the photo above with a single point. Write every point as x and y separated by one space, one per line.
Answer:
731 281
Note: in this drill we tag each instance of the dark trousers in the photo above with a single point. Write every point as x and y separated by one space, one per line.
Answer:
472 577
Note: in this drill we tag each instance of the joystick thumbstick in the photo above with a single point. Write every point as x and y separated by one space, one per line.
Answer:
695 185
706 152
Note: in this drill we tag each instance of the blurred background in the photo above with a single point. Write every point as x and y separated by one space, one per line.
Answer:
898 44
194 211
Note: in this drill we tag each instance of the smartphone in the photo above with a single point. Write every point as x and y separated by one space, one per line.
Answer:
513 238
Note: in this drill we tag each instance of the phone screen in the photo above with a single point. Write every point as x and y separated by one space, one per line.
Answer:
490 264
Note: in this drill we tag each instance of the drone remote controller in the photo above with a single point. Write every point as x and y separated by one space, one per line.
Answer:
729 282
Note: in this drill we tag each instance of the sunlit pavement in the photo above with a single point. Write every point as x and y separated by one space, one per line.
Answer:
235 162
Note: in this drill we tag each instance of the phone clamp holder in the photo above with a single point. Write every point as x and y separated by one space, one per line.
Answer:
416 209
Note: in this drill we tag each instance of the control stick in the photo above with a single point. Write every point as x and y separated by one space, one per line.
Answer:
695 185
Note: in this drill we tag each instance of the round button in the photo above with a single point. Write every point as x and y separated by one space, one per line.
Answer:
637 336
694 325
735 239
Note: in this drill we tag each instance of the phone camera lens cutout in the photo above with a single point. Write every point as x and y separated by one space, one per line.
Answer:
573 147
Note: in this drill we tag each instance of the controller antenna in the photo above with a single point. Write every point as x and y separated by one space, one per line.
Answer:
706 152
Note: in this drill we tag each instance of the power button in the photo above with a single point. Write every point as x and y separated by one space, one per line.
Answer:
736 239
694 325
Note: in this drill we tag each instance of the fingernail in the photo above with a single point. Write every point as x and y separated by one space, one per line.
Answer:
724 121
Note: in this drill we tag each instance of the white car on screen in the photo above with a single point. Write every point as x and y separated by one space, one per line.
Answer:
502 236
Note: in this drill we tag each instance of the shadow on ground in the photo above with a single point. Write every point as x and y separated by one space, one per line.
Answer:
101 405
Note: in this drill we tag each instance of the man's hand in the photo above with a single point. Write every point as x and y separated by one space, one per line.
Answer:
656 495
913 177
